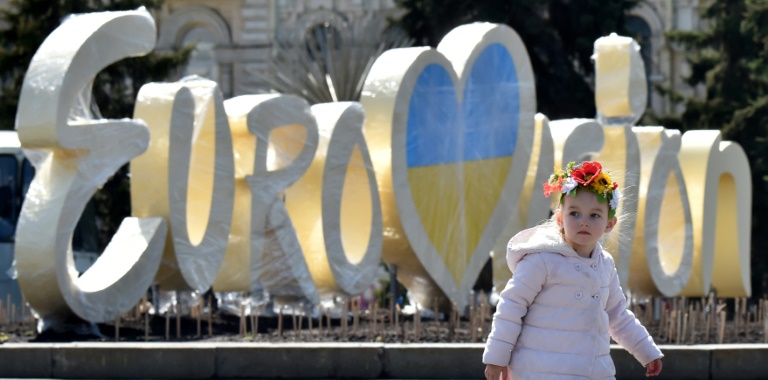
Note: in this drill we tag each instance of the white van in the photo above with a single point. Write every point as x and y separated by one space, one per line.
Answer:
16 174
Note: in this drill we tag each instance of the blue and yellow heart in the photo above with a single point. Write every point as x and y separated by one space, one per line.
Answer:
453 140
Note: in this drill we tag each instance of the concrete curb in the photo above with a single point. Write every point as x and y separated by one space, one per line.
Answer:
333 361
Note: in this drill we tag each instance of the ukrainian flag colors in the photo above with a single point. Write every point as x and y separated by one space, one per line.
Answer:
456 117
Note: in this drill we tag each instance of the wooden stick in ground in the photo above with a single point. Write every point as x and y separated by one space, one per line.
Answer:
697 307
708 328
436 320
721 334
685 328
736 315
673 318
2 314
375 317
9 306
367 314
309 321
23 310
403 327
301 317
417 324
472 324
294 318
646 310
679 324
242 320
694 315
255 324
744 323
710 322
167 326
397 320
13 313
485 310
670 325
452 323
198 315
210 318
747 313
319 321
763 310
177 308
691 320
344 314
146 326
355 314
280 322
712 312
663 323
765 322
745 309
327 317
721 319
117 329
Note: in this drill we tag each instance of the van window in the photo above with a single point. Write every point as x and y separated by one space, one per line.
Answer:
27 175
9 205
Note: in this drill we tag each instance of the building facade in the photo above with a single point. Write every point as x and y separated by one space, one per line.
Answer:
665 61
234 38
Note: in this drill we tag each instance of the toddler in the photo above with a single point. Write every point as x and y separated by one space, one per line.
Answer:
556 315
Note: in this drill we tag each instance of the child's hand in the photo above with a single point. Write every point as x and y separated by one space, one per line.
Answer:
496 372
653 368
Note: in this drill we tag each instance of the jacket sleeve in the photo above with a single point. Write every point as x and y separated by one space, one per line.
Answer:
528 280
625 329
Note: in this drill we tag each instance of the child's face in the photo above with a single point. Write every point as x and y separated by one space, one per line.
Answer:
584 220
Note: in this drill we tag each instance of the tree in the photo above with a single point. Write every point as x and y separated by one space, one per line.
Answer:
729 59
559 35
114 89
331 62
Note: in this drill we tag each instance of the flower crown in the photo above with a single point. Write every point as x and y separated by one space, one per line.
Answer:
589 176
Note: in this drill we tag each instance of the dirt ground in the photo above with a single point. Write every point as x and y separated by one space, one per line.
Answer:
227 328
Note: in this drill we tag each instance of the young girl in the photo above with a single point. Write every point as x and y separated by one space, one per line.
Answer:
555 315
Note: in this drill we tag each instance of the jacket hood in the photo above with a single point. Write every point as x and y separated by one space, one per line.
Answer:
542 238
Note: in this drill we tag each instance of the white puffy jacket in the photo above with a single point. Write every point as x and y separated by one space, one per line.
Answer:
556 313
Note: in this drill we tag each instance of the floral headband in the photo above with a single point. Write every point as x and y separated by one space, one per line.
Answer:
589 176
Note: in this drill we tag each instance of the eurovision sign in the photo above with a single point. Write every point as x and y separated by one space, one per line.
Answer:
436 167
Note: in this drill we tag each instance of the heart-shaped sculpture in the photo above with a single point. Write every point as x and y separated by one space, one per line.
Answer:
451 132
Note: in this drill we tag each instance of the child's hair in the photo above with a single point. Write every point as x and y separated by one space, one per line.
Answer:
588 175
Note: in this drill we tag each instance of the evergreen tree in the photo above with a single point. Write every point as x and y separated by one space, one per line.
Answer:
729 59
559 36
28 23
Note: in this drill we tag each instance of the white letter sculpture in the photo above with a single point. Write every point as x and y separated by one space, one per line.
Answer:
73 155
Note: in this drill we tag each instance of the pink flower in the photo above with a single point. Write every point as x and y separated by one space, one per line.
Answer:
549 189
